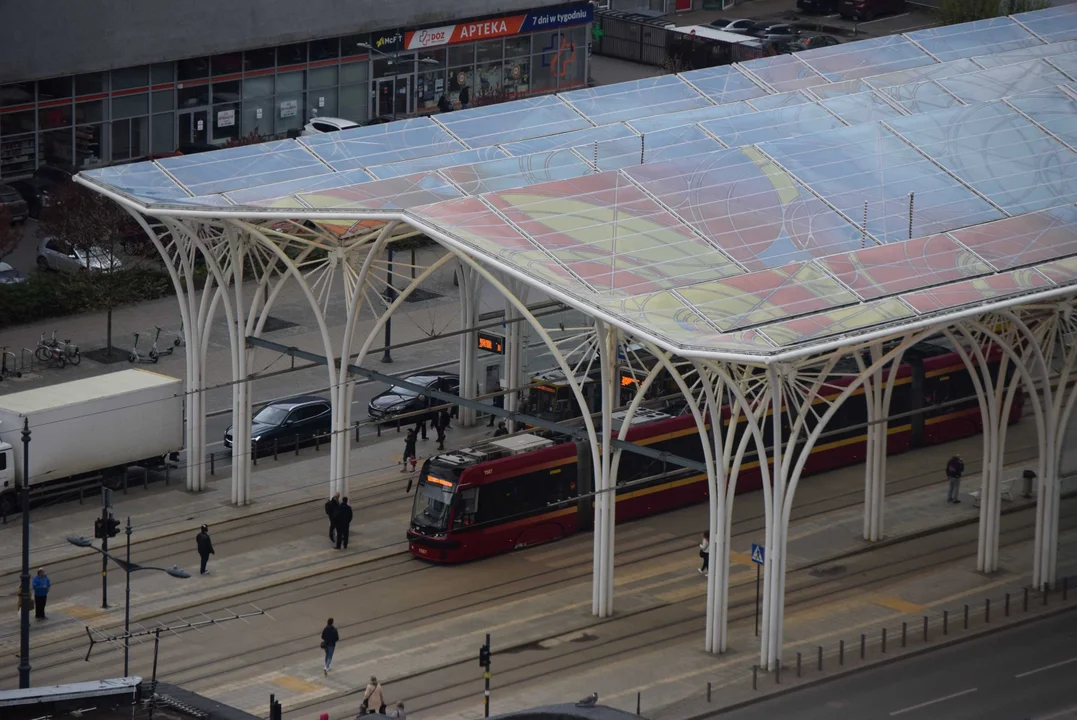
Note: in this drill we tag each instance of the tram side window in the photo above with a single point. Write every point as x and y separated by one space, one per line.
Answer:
467 508
510 498
941 390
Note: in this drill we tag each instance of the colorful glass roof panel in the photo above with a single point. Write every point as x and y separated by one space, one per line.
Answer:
951 42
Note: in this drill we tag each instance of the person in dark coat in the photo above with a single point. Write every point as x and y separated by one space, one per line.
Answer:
331 507
330 638
344 521
465 97
954 470
443 104
205 547
440 425
501 430
499 402
409 450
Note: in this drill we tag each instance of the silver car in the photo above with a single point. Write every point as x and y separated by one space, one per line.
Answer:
51 255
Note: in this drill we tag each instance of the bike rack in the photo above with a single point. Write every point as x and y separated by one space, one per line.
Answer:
28 353
7 370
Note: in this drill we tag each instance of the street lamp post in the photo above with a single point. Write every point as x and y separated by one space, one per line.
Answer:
128 567
24 578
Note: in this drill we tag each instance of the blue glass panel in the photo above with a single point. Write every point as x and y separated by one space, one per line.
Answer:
784 72
1054 110
381 144
925 72
868 164
786 99
654 147
292 187
724 84
507 122
846 87
640 98
999 153
436 162
866 57
1053 24
564 141
688 117
140 180
921 97
772 124
515 172
243 167
1004 81
861 108
1066 63
968 39
1029 53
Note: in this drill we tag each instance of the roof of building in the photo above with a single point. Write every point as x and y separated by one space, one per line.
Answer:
763 209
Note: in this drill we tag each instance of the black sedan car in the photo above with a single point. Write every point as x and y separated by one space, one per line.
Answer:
398 400
298 418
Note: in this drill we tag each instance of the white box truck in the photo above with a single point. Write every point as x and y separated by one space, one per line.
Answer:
88 431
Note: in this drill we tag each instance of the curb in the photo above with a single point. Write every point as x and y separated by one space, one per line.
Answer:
883 662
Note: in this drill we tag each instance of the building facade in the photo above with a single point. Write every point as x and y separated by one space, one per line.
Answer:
102 110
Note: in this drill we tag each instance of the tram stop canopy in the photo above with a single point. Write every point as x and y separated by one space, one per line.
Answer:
750 212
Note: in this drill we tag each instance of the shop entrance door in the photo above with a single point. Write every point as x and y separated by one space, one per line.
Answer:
193 128
393 97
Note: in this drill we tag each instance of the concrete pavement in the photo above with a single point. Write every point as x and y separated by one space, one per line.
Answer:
1023 672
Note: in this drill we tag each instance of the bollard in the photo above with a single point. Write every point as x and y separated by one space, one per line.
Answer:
168 468
356 432
145 478
798 664
841 652
708 691
1006 607
297 445
378 426
925 628
945 622
1025 608
987 610
639 697
884 640
778 672
863 644
254 453
820 657
211 464
966 617
276 448
755 676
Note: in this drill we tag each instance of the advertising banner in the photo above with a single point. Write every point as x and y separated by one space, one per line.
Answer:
563 16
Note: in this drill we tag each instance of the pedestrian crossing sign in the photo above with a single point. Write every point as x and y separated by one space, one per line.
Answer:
757 554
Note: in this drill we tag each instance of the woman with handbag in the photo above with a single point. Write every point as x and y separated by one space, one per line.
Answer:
330 638
704 552
373 698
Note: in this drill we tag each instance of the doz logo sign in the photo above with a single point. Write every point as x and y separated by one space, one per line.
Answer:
430 37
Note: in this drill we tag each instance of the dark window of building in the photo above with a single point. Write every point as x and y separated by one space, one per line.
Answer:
324 49
226 92
322 77
192 96
130 105
54 117
461 54
227 64
489 51
292 54
517 46
89 112
163 139
192 69
259 59
54 89
17 122
134 77
91 83
164 100
16 94
162 73
349 45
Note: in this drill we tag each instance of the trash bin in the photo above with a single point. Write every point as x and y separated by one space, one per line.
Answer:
1027 479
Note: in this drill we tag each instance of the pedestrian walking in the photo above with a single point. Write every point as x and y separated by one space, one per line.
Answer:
399 713
205 547
501 430
409 450
441 425
705 552
465 97
373 697
330 638
499 402
41 585
344 521
443 104
955 468
331 507
420 426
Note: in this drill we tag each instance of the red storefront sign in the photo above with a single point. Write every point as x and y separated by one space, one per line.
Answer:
463 32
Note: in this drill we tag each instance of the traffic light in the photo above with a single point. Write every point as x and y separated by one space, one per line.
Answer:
98 528
112 525
484 656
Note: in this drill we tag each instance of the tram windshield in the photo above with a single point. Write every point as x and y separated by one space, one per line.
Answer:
433 499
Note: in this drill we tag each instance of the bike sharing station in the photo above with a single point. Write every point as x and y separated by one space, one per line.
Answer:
749 273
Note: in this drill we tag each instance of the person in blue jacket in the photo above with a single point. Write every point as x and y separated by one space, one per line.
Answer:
41 585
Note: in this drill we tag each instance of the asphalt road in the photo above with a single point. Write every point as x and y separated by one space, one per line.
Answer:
1024 673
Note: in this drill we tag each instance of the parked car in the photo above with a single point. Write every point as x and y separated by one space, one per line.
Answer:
819 6
812 42
37 189
300 418
869 9
398 400
9 275
734 26
11 201
322 125
52 255
774 32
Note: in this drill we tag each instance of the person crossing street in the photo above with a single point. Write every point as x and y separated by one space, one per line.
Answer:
343 521
41 585
331 507
205 548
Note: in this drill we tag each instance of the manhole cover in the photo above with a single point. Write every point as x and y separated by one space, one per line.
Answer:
829 571
273 324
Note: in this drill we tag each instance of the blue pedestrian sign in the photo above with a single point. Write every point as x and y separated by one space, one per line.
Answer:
757 554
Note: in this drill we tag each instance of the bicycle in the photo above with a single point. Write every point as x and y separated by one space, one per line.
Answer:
56 358
46 348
